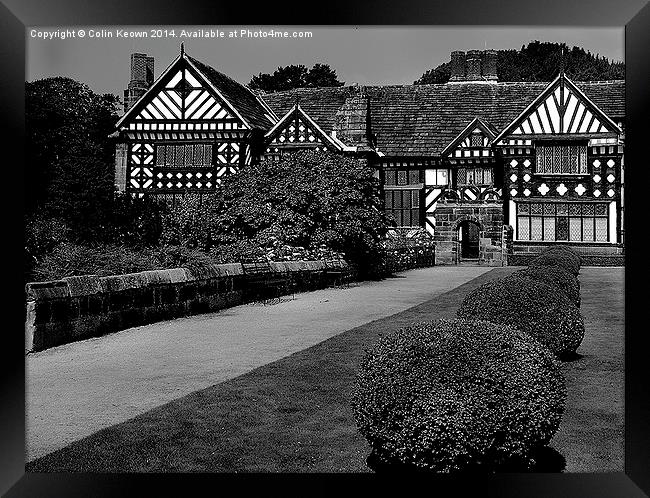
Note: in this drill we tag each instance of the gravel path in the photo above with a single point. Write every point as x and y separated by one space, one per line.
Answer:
77 389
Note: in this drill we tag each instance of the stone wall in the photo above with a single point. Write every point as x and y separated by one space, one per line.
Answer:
77 308
488 216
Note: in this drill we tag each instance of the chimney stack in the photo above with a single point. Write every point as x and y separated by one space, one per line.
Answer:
457 66
490 65
474 65
142 75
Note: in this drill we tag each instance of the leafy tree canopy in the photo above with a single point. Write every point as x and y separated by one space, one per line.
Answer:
70 154
541 61
295 76
306 199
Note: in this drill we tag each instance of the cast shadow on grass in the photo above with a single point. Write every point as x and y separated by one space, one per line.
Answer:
546 460
571 357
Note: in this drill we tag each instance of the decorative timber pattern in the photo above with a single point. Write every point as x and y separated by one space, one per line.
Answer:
561 109
296 130
184 134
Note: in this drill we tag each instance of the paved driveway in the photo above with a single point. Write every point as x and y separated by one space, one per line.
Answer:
79 388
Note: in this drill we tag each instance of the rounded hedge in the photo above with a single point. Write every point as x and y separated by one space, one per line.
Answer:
530 306
565 251
557 256
456 395
555 276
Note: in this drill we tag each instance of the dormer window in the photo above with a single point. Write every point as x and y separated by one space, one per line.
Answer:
561 159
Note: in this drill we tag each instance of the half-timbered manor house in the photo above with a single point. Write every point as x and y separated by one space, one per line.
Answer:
466 160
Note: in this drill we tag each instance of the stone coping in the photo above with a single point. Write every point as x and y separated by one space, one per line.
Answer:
86 285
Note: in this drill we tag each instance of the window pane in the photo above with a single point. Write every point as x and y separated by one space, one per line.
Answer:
391 177
574 209
561 209
442 177
562 228
549 209
487 176
414 176
601 229
415 217
536 208
523 208
575 229
549 228
523 232
601 209
588 229
415 198
397 199
588 209
561 159
401 177
536 228
389 199
462 176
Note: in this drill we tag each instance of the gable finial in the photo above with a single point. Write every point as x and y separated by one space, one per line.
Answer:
182 49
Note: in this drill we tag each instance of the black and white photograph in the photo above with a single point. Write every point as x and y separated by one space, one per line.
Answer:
287 249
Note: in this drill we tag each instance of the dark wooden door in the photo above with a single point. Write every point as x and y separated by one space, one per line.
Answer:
469 240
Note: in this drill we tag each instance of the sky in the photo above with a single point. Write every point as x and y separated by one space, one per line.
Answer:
364 55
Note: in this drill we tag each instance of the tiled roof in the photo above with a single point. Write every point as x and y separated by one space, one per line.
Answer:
238 95
423 119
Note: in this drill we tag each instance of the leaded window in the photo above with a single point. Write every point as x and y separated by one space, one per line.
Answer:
474 176
184 155
476 140
403 205
402 177
551 221
561 159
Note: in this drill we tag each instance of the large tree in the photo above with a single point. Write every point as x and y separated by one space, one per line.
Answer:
306 199
295 76
69 173
541 61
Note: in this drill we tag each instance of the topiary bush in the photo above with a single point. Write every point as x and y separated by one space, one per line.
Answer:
530 306
559 256
555 276
457 395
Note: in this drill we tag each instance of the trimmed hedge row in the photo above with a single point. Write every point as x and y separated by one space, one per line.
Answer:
481 392
561 256
531 306
455 395
556 277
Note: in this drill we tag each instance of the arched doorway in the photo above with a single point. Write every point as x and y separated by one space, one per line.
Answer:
468 238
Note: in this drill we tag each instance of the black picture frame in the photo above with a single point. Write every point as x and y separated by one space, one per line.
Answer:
15 15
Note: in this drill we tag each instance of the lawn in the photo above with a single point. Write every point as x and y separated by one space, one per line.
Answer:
294 415
591 436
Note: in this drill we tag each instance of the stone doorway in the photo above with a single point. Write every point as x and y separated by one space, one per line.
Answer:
468 238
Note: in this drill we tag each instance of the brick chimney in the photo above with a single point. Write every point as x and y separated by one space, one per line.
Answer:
457 66
489 65
142 72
